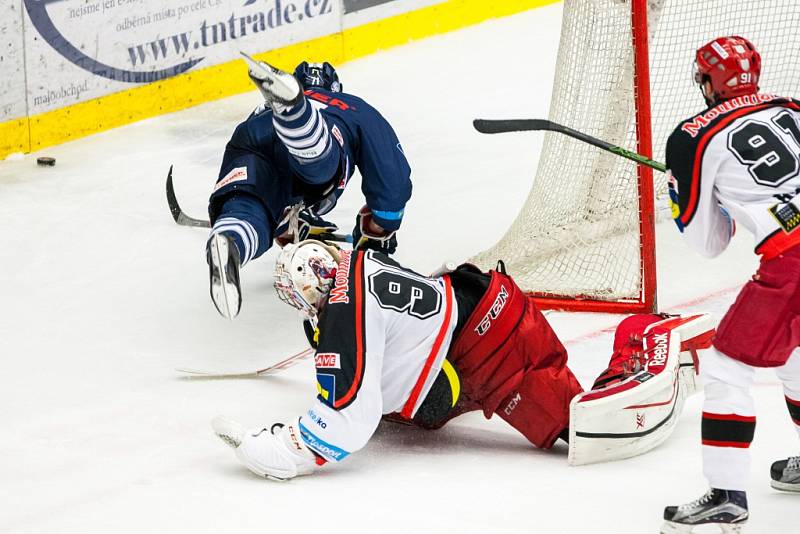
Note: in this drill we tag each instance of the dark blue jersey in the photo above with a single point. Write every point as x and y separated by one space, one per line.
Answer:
371 144
257 162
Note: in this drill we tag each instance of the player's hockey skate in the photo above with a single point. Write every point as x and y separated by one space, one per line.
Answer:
725 509
280 89
277 454
223 271
786 474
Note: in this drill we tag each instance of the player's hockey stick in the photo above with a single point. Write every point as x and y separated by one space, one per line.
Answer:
184 220
525 125
271 370
177 213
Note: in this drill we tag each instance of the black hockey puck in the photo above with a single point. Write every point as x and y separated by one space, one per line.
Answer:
45 161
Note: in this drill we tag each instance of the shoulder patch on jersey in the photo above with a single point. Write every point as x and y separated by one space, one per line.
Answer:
327 360
337 134
326 388
237 174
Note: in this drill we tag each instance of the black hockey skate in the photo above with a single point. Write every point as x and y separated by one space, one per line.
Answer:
280 89
786 474
726 509
223 271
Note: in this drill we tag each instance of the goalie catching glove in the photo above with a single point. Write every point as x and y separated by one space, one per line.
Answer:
369 235
278 453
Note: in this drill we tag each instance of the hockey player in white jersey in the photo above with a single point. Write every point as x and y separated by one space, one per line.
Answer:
395 344
739 160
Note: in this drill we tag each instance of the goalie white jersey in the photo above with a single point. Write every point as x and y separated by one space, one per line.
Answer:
384 333
738 161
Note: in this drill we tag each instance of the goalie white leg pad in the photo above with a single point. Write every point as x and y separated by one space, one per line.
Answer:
636 415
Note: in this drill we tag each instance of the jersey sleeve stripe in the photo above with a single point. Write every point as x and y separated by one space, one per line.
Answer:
360 333
408 408
686 217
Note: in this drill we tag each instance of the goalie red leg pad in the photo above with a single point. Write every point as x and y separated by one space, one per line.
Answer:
539 408
506 351
762 328
728 430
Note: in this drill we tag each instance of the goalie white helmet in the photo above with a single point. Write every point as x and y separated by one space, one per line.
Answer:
304 273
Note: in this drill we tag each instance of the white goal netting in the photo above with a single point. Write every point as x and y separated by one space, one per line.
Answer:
578 234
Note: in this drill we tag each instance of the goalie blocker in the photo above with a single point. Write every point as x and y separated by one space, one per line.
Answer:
631 416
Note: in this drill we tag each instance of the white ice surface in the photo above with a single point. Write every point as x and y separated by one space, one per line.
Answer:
102 296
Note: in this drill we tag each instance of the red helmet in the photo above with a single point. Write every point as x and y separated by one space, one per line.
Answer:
732 65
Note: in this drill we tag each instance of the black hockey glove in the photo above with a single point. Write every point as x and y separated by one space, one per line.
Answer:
364 238
309 226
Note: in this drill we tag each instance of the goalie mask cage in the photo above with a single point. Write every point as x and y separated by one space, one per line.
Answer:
585 237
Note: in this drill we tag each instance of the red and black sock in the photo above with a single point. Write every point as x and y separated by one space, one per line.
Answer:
728 430
794 410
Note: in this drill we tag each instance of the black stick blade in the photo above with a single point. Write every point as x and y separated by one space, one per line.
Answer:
488 126
174 208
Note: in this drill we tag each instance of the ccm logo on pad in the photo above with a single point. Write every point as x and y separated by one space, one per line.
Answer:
327 360
491 315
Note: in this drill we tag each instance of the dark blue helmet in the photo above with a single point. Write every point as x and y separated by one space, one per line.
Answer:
321 75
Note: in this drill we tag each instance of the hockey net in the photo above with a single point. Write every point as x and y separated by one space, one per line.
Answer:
584 239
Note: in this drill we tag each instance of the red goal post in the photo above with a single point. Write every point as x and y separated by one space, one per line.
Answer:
585 238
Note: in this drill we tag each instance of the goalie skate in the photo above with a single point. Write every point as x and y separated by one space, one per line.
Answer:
635 415
223 265
277 87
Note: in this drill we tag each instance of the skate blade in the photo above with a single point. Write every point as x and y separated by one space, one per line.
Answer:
281 86
783 486
670 527
224 293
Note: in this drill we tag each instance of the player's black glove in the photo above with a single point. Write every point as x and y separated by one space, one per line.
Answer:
309 226
365 238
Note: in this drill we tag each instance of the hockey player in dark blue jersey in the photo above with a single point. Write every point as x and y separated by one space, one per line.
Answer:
286 166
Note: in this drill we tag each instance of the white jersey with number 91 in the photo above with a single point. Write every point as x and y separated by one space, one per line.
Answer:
738 161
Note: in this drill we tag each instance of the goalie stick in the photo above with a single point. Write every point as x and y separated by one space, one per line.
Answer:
271 370
526 125
184 220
